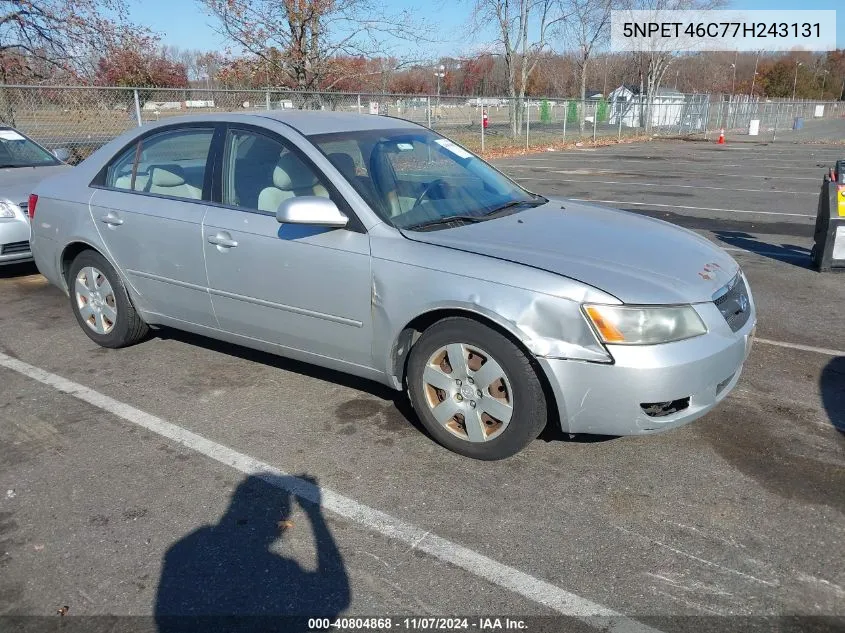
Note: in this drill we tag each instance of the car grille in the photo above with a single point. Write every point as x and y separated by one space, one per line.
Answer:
13 248
734 304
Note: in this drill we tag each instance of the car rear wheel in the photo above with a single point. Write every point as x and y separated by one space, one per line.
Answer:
101 304
475 391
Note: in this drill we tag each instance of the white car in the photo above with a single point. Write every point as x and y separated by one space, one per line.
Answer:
23 164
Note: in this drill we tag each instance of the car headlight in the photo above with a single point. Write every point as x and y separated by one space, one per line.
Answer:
644 325
7 209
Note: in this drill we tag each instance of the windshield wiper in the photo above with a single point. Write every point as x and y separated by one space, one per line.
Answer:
478 218
9 165
512 204
453 218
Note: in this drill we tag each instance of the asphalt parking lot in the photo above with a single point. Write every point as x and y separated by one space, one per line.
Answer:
125 485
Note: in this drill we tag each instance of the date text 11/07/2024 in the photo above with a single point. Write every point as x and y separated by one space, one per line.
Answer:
418 624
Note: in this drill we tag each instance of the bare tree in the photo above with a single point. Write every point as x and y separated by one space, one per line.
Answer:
523 27
587 26
209 65
185 56
298 39
66 34
656 60
55 40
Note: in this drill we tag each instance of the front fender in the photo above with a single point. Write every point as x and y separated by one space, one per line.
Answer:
546 325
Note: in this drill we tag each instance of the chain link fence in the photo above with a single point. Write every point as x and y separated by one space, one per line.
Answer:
81 119
744 118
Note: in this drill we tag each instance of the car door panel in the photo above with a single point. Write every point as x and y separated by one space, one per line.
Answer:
302 287
157 244
149 211
294 286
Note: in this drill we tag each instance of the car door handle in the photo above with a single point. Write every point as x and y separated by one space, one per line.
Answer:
222 240
111 219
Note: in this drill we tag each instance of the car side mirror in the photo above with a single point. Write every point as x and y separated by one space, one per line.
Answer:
62 153
312 210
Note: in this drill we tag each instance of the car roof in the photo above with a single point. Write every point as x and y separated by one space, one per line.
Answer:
306 122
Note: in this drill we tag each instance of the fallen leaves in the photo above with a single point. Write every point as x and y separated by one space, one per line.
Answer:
515 149
285 525
63 610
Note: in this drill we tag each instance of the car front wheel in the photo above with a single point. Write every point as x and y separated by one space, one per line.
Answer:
475 391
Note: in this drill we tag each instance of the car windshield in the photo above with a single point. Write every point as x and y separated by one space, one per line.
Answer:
418 180
18 151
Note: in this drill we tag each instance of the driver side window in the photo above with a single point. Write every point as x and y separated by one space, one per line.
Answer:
260 172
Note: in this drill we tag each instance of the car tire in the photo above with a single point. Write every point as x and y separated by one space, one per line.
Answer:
438 384
101 304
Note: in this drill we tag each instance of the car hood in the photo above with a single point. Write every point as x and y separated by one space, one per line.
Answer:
16 183
635 258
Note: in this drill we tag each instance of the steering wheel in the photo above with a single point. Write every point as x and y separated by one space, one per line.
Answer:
439 182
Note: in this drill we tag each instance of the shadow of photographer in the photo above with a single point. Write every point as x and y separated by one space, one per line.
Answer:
227 578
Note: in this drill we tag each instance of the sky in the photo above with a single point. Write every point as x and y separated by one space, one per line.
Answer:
182 23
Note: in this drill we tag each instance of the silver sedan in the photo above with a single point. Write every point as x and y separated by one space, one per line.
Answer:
23 163
374 246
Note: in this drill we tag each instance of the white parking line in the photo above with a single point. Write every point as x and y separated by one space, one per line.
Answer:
675 173
782 149
789 163
634 183
777 156
680 206
497 573
804 348
786 254
622 164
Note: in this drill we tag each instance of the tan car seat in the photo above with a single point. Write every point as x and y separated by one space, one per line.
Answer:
291 177
169 180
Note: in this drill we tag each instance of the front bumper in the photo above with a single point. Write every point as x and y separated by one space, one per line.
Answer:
606 399
14 231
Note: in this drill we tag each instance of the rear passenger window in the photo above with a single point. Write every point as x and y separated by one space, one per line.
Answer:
120 170
260 172
170 164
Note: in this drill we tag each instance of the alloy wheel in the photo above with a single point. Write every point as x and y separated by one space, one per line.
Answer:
95 300
468 392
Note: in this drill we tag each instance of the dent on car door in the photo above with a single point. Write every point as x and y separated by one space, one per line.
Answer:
149 214
302 287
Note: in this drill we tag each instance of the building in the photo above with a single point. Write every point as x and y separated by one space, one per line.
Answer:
667 107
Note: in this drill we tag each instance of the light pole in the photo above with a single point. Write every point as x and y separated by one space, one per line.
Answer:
604 90
754 77
441 72
733 81
795 81
731 106
824 81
